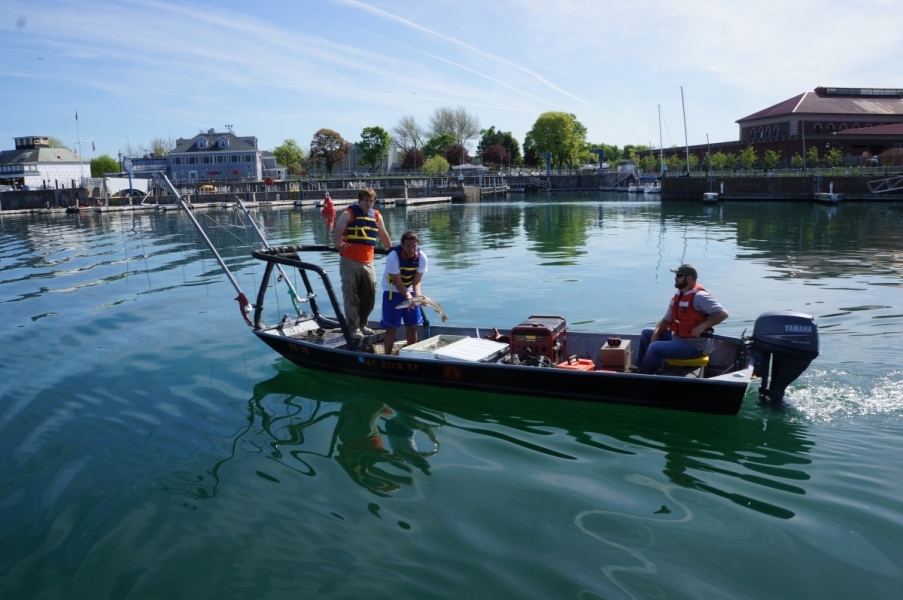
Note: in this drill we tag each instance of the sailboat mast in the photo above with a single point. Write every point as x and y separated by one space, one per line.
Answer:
661 148
686 138
78 134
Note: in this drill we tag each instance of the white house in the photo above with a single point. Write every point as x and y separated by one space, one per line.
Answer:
215 157
35 164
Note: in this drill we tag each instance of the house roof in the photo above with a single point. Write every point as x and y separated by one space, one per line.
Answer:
837 101
894 129
38 155
236 144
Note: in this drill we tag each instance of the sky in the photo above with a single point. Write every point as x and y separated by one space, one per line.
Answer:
136 70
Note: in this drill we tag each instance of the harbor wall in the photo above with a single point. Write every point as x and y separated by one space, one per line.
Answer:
42 199
799 188
773 188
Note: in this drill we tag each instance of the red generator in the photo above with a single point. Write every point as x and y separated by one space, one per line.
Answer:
537 337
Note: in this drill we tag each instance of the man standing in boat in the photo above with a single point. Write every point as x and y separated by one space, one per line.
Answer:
405 267
692 314
355 236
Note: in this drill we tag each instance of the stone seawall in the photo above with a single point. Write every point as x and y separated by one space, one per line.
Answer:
773 188
41 199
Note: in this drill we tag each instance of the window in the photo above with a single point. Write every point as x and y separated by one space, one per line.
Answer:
206 159
202 143
192 160
234 158
223 142
220 158
817 128
177 160
248 158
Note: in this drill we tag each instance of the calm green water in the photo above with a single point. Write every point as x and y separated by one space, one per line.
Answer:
152 447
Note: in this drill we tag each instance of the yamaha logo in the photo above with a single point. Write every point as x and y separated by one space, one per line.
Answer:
798 328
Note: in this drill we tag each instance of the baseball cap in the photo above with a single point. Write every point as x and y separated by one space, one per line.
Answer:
686 269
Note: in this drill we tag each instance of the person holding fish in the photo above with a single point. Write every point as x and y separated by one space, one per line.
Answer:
405 266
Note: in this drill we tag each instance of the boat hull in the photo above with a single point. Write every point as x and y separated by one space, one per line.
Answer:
720 395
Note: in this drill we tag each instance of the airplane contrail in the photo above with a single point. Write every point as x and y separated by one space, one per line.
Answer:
381 13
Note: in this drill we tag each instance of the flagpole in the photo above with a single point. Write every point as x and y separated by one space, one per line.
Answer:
80 143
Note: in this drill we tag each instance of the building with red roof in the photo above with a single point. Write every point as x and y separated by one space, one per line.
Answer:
860 122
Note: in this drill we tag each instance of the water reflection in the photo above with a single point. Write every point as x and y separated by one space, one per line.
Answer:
768 450
377 446
797 239
383 439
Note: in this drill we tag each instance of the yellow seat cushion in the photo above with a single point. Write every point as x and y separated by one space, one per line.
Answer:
701 361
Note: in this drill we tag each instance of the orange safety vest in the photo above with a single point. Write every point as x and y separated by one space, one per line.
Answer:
684 316
361 234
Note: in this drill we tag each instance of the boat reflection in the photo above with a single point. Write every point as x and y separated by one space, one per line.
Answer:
383 435
362 452
376 445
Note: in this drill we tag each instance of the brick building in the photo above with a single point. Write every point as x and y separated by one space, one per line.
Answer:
860 122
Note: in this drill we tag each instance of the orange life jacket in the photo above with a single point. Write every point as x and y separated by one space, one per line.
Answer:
684 317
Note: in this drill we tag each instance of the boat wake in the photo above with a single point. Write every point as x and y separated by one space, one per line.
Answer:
831 395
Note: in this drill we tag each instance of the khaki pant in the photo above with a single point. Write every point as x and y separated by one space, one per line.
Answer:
358 290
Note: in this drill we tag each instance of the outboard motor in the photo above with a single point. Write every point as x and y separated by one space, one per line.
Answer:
783 343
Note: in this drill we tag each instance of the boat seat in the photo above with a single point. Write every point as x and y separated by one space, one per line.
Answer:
700 362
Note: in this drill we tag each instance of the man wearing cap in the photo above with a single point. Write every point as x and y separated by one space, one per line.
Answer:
691 314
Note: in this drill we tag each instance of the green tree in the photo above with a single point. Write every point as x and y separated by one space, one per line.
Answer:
694 162
560 134
812 156
373 147
438 144
290 155
633 153
771 158
674 163
611 154
649 163
722 161
103 164
436 165
329 147
834 157
748 157
796 161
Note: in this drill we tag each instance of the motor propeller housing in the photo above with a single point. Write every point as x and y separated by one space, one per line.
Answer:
783 344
